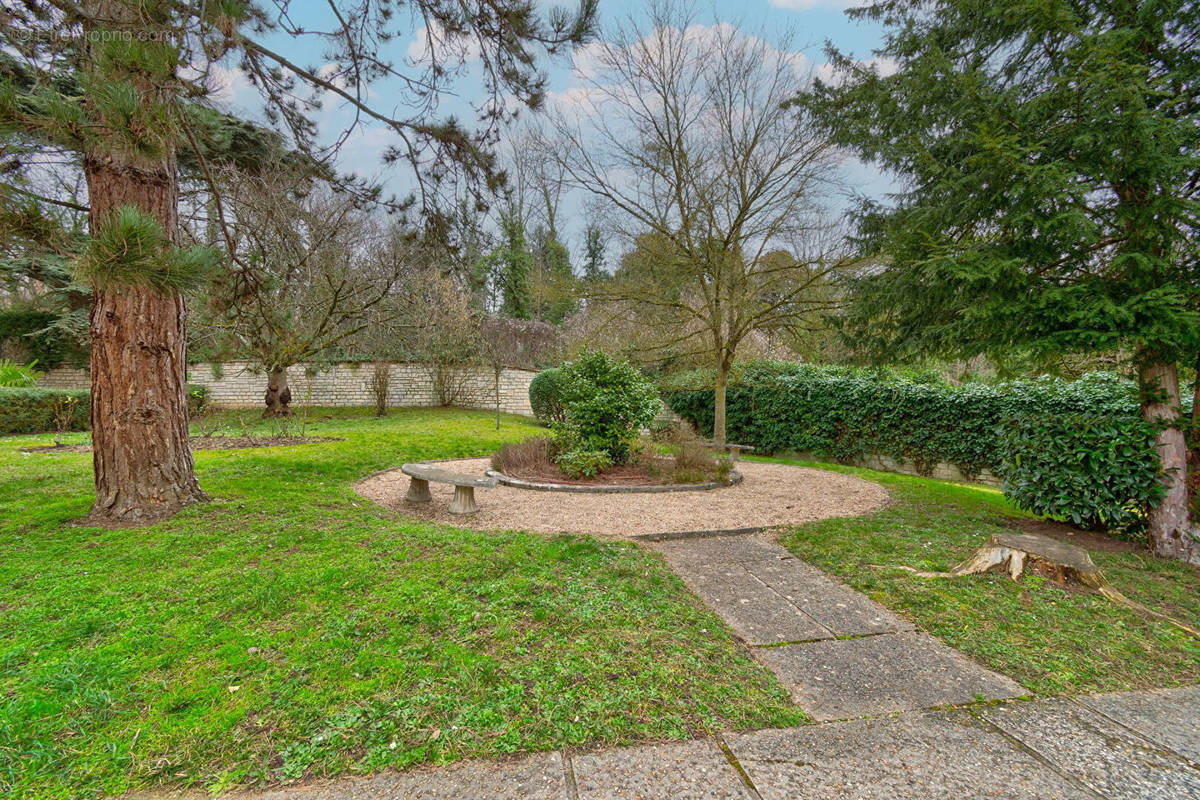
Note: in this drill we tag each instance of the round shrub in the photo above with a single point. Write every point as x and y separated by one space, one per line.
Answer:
545 396
607 402
1095 471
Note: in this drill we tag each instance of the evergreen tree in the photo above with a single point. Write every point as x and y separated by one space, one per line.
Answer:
593 253
554 281
136 66
514 263
1050 152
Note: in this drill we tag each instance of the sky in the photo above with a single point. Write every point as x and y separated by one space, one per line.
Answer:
812 23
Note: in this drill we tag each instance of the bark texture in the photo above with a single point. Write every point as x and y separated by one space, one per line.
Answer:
279 396
143 466
1171 534
720 390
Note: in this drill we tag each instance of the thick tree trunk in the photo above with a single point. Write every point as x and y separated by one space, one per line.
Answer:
1171 535
278 396
719 403
143 467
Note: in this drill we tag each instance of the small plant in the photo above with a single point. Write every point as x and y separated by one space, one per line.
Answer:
583 463
381 377
197 399
64 413
17 375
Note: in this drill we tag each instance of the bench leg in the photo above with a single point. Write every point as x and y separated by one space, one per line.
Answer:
418 491
464 500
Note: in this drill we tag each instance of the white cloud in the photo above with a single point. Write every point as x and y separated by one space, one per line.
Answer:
228 88
882 66
809 5
433 42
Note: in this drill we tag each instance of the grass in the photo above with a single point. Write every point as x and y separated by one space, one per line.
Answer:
1049 639
290 628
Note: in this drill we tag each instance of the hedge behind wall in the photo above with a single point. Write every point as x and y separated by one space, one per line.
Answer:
1076 450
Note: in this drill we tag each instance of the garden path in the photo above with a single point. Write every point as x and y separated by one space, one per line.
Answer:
841 654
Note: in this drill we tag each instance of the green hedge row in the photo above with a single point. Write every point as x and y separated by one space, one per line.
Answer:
1075 450
35 409
31 330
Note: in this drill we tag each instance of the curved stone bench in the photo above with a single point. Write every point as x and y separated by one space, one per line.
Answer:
464 486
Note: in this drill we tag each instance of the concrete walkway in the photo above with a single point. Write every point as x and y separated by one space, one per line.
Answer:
841 654
1117 746
882 691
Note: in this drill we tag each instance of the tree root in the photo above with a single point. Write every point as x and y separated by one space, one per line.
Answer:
1061 562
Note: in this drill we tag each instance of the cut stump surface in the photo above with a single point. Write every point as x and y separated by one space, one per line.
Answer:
1063 563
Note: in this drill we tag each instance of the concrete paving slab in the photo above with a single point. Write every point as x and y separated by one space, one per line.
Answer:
757 614
871 675
836 606
695 770
538 777
927 756
1168 717
718 550
1112 761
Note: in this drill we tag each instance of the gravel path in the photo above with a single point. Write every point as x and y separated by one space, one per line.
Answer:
770 495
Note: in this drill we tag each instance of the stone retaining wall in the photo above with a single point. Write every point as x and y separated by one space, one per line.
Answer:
942 470
236 383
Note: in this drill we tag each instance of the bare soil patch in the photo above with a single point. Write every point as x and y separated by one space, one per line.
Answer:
771 495
205 443
1088 540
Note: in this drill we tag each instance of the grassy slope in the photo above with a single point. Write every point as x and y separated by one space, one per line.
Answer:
1048 639
291 628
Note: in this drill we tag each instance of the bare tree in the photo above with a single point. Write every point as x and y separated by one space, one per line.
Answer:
685 131
509 342
442 332
319 270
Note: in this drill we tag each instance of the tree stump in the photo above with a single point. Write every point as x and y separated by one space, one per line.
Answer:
1062 563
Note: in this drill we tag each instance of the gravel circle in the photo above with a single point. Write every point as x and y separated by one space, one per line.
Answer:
770 495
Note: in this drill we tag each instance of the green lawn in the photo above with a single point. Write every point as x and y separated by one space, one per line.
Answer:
291 628
1051 640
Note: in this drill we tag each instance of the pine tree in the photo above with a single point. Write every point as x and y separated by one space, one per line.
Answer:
112 80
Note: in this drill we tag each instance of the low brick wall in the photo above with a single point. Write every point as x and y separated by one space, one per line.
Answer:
238 384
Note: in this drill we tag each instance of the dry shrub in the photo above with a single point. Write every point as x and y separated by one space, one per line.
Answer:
531 455
689 458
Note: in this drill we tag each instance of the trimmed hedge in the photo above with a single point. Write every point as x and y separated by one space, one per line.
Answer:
32 410
546 396
1095 471
1076 450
